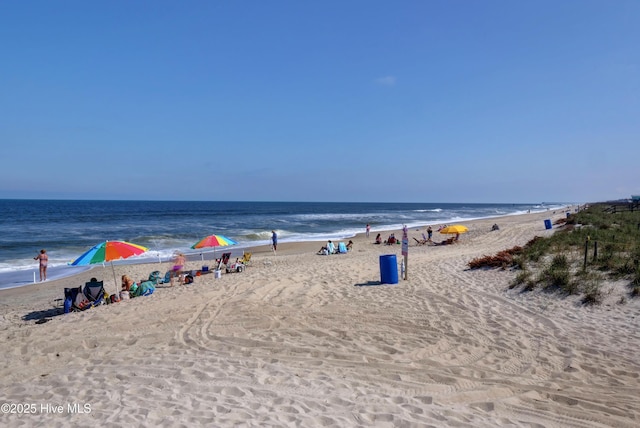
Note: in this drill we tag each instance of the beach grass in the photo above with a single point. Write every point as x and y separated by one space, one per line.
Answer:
589 248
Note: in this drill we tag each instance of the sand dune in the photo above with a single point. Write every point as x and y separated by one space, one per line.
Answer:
300 339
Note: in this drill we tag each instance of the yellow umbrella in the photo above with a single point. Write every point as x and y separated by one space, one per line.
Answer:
455 229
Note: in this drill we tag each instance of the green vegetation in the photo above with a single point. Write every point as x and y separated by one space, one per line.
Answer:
595 245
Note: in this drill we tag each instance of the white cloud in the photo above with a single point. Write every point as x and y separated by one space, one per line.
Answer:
387 81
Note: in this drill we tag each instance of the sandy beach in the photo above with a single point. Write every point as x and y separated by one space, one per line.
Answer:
300 339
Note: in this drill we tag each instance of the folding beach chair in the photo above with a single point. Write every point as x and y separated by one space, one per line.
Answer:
75 300
224 260
246 258
94 291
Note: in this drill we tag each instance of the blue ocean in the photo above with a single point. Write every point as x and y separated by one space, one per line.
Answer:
68 228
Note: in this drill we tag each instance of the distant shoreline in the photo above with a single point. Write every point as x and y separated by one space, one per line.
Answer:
10 280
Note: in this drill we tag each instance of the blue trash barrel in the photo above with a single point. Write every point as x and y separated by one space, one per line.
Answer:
568 214
388 269
547 224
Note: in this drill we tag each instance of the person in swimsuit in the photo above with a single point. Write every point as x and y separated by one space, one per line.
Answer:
178 264
43 258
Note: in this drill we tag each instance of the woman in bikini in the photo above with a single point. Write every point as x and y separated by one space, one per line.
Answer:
43 258
178 264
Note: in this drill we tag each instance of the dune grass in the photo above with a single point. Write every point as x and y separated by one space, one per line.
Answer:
592 246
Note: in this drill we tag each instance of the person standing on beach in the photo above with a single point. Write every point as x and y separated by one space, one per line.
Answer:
429 233
178 265
274 239
43 259
368 229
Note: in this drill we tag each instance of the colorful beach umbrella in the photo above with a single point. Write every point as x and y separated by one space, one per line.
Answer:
109 251
213 241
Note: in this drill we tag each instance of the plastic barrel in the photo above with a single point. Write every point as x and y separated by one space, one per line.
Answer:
547 224
388 269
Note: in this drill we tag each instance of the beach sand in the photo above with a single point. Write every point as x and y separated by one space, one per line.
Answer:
300 339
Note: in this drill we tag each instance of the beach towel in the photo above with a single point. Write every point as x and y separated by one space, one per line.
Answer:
145 288
342 248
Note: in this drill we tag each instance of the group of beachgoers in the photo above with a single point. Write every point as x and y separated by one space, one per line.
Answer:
331 248
391 239
146 286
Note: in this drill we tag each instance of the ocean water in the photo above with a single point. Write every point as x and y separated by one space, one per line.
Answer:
67 228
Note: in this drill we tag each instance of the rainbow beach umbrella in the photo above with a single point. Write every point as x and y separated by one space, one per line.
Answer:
109 251
213 241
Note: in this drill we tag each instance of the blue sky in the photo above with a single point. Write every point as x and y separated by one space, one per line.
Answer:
414 101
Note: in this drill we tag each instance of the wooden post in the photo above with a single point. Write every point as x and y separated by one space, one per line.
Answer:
405 251
595 251
586 250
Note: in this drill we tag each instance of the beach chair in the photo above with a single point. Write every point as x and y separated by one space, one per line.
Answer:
224 260
342 248
94 291
82 298
155 277
166 279
75 300
246 258
420 242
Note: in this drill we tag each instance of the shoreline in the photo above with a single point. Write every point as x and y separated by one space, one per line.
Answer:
24 277
285 248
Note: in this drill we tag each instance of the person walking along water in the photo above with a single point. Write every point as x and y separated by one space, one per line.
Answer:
274 240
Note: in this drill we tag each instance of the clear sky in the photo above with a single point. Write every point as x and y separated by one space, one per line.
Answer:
414 101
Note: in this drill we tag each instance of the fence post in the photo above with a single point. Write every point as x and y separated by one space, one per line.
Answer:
595 251
586 250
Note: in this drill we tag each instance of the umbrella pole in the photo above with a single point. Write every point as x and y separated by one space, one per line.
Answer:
115 281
